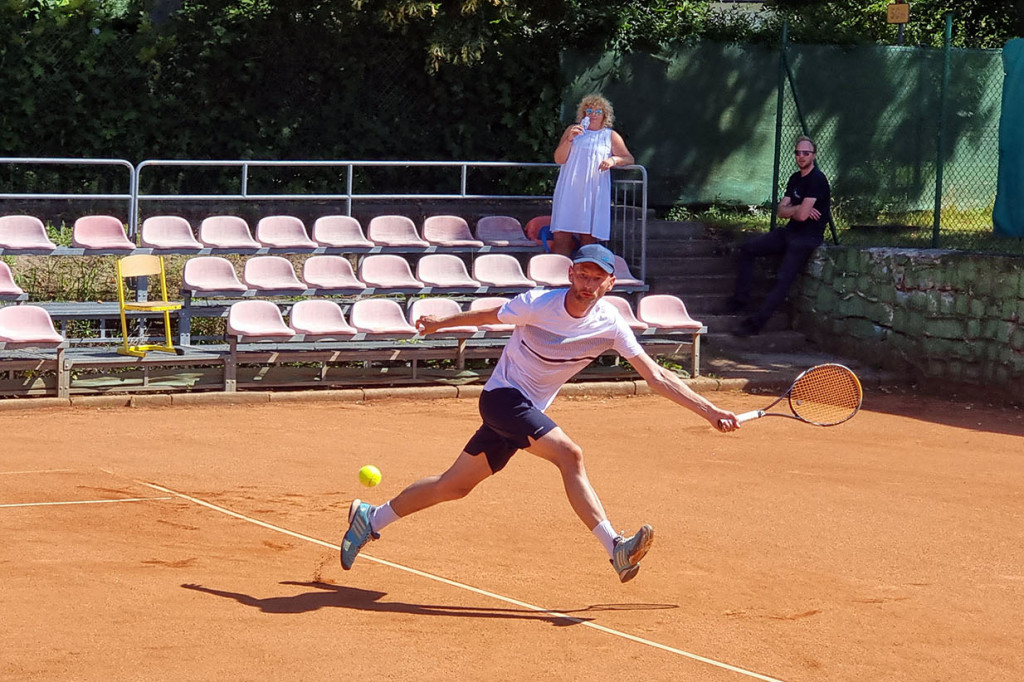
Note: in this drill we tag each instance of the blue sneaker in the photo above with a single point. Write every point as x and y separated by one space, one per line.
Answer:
629 551
358 533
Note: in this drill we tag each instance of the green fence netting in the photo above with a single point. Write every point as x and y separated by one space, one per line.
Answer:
1009 210
890 122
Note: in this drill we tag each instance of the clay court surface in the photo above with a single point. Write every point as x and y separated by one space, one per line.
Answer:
200 543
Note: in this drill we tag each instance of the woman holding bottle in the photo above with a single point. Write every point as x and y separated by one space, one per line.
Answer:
581 208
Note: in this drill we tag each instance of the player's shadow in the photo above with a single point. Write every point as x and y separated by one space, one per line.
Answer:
341 596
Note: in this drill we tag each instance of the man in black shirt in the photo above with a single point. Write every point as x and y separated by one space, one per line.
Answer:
806 204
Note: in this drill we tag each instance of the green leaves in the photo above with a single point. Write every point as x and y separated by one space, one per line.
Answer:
365 79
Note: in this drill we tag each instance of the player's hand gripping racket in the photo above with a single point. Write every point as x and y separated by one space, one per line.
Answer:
824 395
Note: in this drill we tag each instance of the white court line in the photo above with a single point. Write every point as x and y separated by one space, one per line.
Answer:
54 504
38 471
463 586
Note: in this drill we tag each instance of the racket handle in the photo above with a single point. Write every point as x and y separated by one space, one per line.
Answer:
747 416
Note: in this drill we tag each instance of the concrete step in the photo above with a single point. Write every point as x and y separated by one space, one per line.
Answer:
685 284
729 323
668 229
767 341
705 304
657 248
689 265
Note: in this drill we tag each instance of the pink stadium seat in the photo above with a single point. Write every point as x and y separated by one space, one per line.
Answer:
441 307
445 271
502 230
379 316
626 310
8 287
533 228
340 231
549 269
271 273
500 270
210 273
449 230
283 232
486 302
226 232
623 276
330 272
23 232
319 317
387 272
29 325
257 319
664 311
394 230
100 232
167 232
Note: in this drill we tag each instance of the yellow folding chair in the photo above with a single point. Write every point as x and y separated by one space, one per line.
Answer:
144 266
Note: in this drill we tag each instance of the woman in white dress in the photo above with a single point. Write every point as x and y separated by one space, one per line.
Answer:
581 208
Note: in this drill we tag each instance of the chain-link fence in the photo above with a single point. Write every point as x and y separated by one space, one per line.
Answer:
908 137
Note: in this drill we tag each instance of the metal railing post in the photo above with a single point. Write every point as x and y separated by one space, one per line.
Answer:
778 122
940 141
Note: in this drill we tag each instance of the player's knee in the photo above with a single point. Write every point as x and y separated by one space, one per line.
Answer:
570 458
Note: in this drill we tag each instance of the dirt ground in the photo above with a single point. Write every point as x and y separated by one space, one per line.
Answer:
201 543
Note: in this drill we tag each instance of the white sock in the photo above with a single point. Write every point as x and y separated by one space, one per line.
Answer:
606 534
382 516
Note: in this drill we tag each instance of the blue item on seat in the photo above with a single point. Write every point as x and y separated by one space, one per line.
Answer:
546 237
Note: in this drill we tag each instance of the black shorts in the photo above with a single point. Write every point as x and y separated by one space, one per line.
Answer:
510 421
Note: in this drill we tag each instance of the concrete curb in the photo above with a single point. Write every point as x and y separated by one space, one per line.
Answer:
12 404
345 395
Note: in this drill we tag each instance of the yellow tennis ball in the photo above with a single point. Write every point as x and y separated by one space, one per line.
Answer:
369 475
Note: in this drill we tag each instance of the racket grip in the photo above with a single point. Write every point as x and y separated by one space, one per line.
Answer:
747 416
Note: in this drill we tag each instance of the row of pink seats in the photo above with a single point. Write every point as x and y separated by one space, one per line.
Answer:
383 271
232 232
322 319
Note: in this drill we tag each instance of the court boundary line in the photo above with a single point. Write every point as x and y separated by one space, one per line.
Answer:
463 586
57 504
38 471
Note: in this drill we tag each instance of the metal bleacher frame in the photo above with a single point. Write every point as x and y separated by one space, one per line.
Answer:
629 216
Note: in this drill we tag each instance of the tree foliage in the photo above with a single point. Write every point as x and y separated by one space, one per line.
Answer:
370 79
976 23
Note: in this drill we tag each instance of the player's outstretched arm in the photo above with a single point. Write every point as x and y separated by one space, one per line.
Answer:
668 385
428 324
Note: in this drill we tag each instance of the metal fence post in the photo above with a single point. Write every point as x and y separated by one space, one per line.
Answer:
778 122
940 137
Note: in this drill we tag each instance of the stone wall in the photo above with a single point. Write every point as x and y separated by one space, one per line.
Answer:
936 316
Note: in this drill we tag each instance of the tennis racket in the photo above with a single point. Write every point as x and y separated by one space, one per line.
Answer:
824 395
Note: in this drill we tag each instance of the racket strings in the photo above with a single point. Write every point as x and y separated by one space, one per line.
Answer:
826 394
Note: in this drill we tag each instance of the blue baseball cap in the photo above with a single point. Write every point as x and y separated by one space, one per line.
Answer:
597 254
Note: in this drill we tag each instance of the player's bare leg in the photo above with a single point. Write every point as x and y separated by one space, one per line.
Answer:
625 553
454 484
365 521
556 447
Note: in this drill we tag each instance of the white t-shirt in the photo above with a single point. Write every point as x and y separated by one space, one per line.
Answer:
549 346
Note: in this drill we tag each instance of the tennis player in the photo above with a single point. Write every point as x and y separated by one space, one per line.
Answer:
557 333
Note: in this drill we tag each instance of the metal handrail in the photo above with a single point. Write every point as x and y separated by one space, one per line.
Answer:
349 195
130 197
